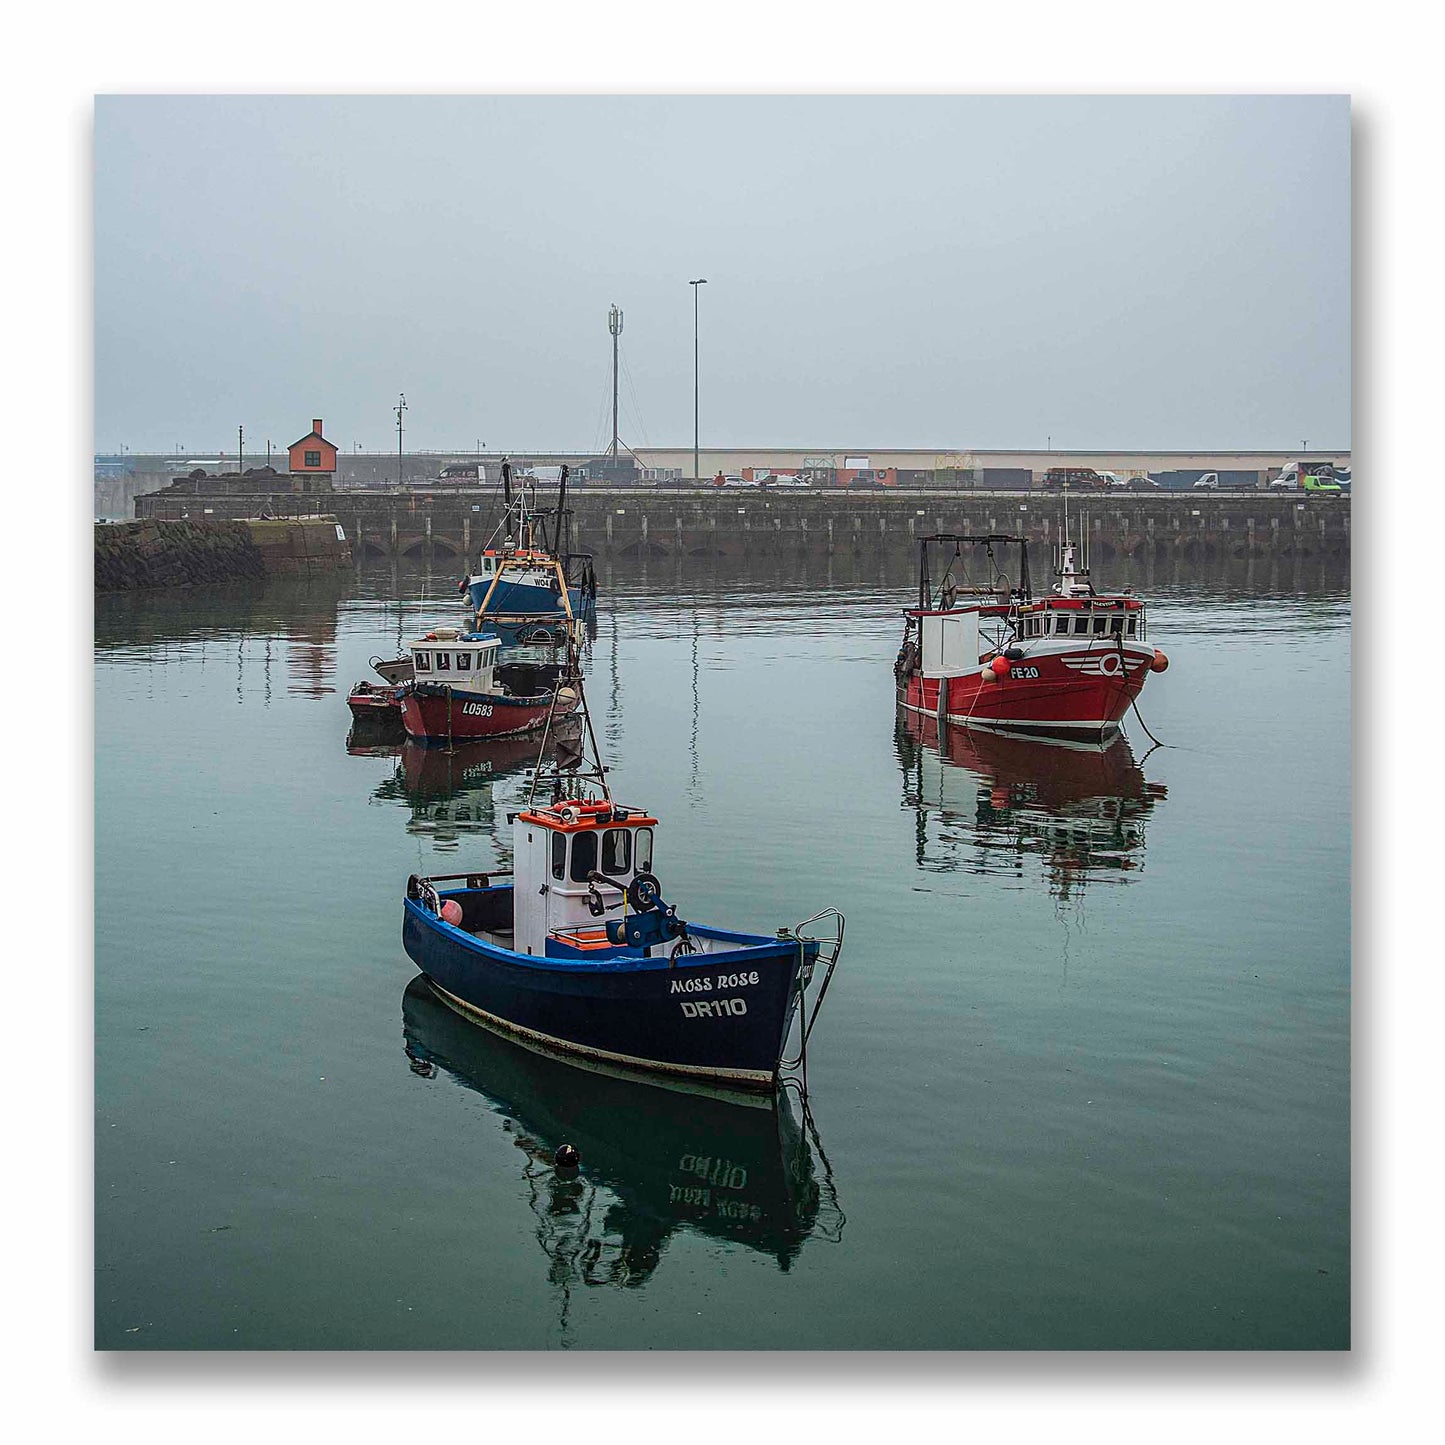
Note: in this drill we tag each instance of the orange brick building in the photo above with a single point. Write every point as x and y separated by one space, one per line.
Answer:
313 457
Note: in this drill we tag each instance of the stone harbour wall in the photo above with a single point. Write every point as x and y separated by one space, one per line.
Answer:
657 522
173 554
155 553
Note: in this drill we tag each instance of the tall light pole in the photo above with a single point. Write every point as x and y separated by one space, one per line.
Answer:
701 281
614 325
400 407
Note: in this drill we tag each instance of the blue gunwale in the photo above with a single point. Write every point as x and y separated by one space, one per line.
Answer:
623 959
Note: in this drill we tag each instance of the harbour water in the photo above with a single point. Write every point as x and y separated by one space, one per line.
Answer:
1081 1082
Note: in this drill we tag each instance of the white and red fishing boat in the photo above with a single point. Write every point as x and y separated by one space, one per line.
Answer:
1068 664
455 696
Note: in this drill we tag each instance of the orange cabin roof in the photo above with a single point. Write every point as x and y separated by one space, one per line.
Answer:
585 816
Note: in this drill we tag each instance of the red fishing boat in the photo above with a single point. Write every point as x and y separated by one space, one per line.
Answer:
455 696
1068 664
373 706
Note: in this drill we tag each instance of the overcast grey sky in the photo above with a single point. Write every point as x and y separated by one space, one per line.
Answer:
1133 272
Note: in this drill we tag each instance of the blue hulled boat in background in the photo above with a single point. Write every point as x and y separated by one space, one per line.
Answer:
529 587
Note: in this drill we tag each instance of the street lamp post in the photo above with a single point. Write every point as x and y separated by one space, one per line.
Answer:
701 281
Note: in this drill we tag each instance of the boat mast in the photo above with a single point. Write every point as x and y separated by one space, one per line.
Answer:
561 536
569 726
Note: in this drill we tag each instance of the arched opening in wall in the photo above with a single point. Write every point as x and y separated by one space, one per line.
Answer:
417 549
1190 551
706 551
1161 551
643 549
372 549
443 548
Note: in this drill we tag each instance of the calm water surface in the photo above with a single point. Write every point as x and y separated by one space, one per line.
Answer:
1082 1080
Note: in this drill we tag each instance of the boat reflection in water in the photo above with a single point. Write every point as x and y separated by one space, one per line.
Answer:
656 1158
449 791
989 801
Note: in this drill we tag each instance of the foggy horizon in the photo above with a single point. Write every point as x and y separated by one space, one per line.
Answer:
955 273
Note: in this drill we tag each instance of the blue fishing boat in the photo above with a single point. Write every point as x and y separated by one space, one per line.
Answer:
577 949
529 588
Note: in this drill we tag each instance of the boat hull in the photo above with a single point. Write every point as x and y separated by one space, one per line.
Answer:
376 706
721 1018
525 599
439 714
1081 695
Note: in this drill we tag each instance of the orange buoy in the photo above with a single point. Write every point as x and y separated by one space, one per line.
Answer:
1000 667
1159 663
452 913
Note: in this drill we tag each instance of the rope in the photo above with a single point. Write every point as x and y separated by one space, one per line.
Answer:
1133 701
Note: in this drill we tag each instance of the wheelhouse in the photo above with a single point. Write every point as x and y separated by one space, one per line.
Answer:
1080 617
573 862
520 564
463 660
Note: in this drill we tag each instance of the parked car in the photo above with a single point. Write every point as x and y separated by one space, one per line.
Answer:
1144 484
1209 482
1077 479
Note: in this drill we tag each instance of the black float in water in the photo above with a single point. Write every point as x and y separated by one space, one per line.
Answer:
566 1156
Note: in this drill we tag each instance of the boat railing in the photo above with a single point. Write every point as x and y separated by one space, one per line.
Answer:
424 890
828 929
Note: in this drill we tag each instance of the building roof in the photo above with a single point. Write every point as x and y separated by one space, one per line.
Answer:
312 433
